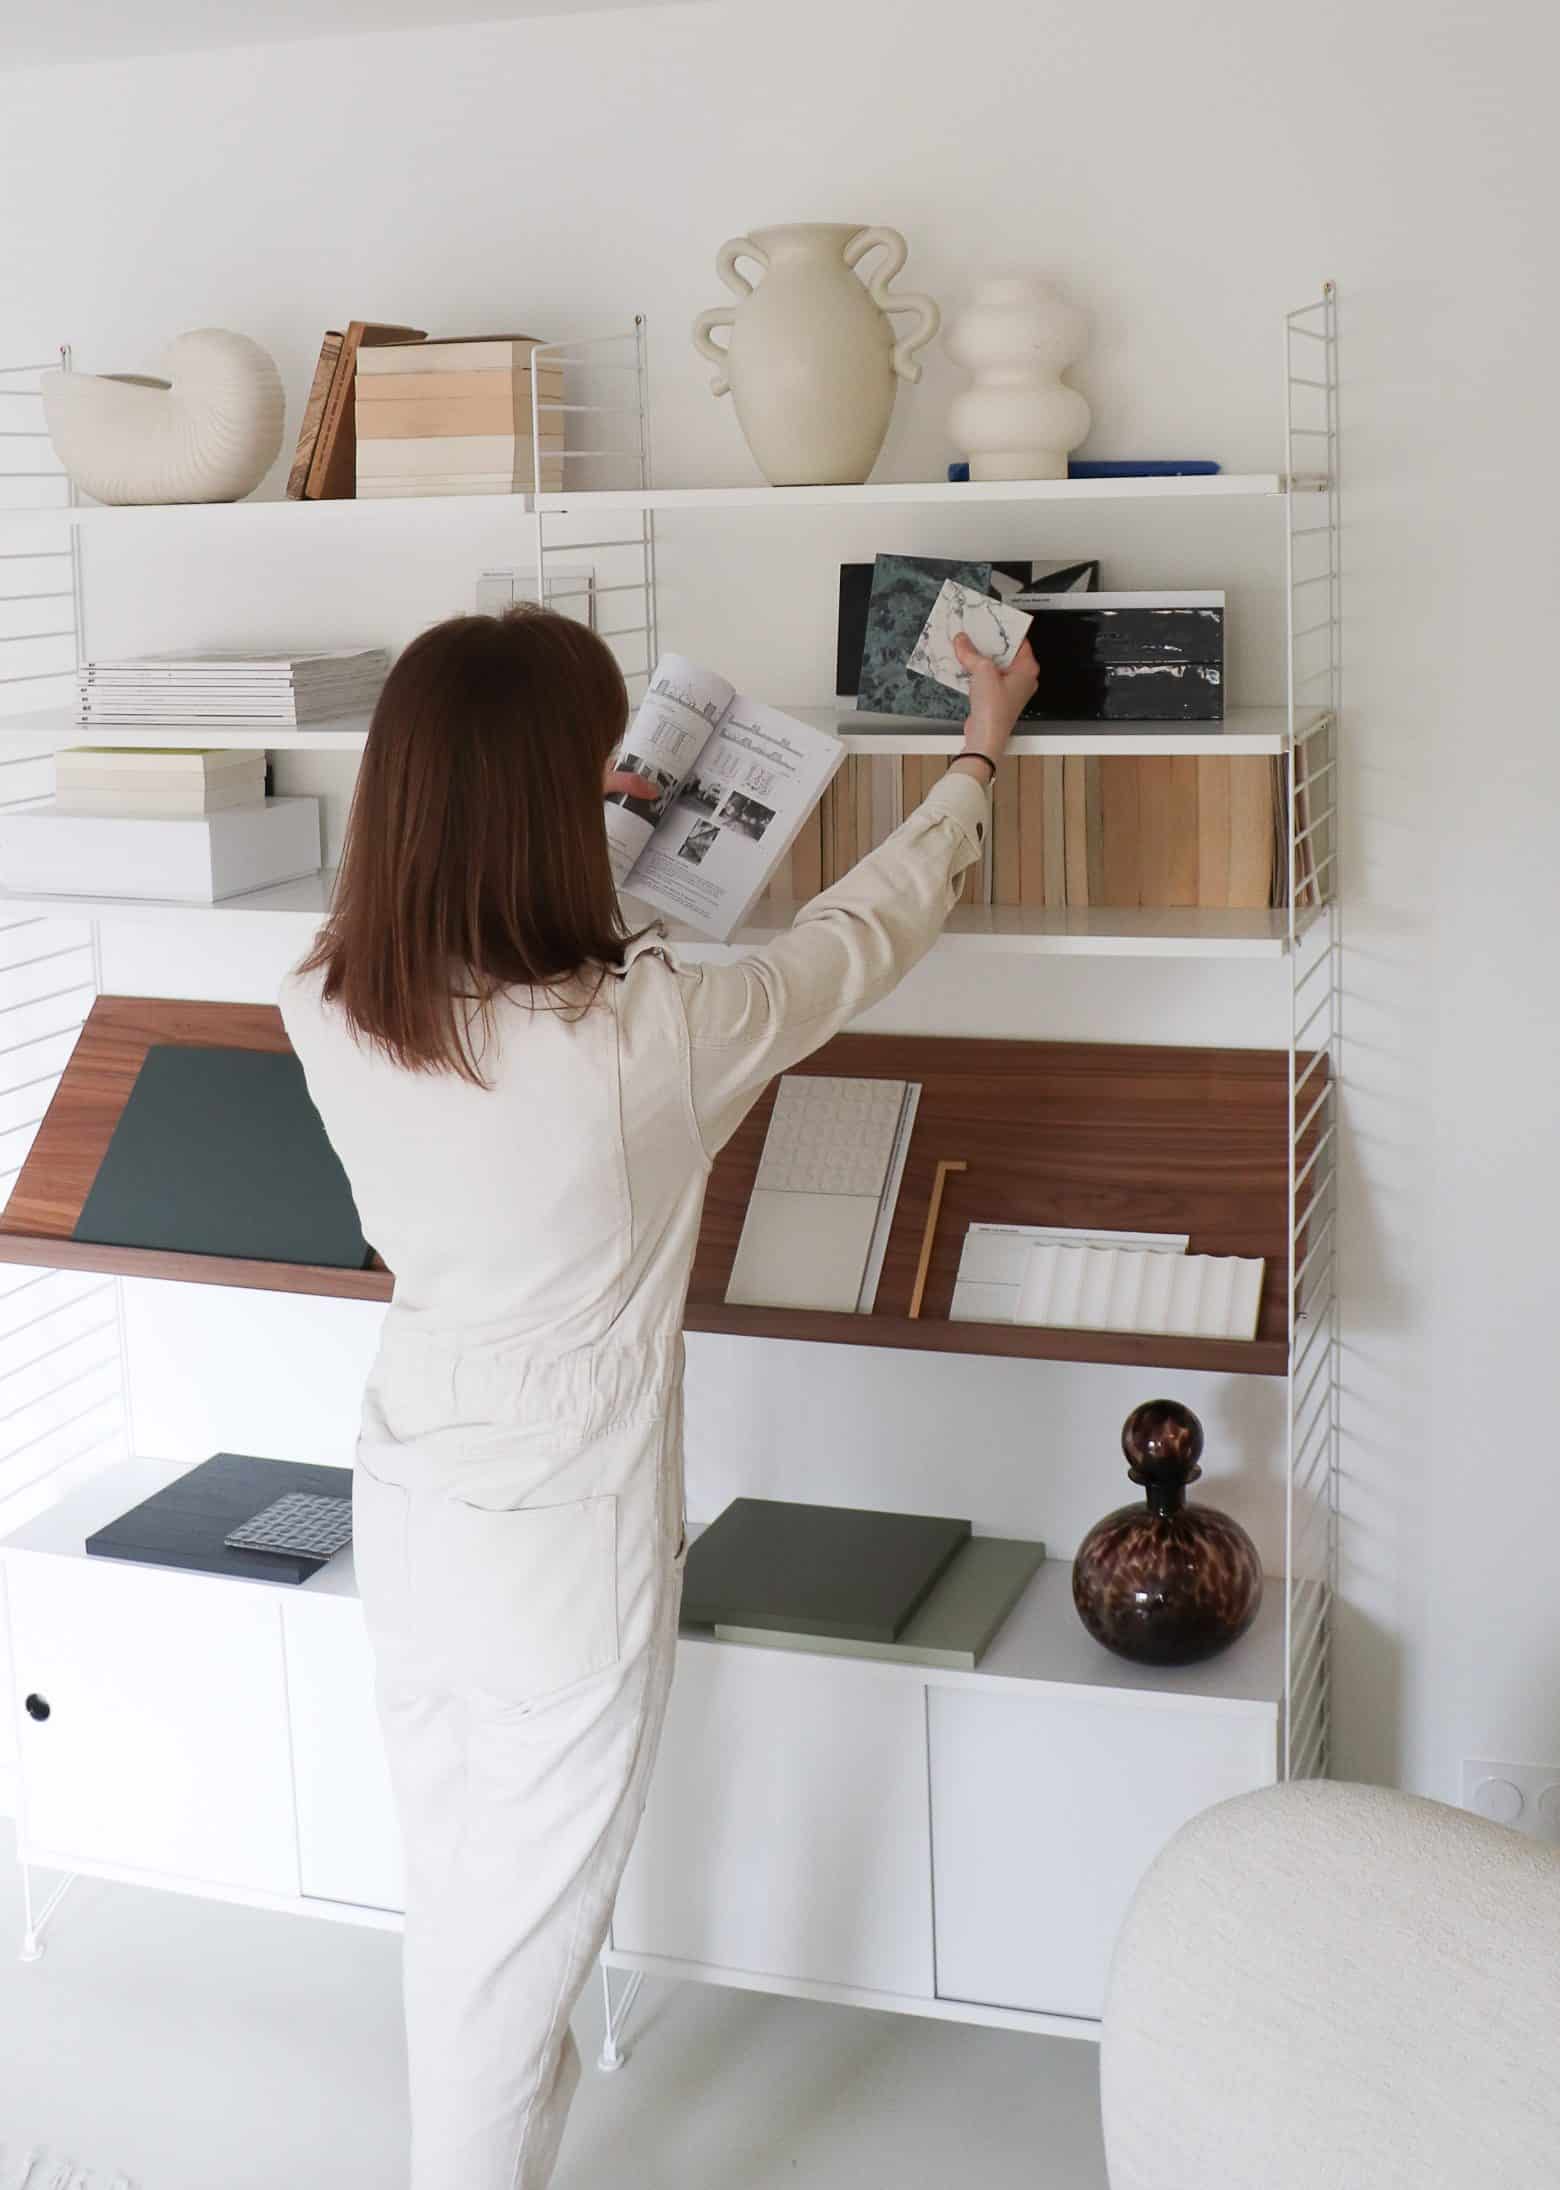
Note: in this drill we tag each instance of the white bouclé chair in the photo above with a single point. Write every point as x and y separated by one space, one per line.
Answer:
1326 1987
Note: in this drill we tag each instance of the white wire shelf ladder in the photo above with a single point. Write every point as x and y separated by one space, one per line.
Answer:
1313 644
63 1391
602 420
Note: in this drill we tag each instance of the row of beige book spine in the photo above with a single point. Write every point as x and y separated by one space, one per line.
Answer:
1070 831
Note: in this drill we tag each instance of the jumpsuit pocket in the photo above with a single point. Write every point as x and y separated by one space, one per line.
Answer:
520 1601
380 1548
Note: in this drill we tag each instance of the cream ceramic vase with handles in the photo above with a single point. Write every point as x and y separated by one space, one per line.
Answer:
813 361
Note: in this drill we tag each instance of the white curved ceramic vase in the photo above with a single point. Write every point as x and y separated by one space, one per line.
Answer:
206 428
1018 421
813 363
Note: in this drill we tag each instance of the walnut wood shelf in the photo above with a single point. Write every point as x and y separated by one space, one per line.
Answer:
1090 1134
47 1198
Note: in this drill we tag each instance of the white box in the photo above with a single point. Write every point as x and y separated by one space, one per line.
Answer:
194 859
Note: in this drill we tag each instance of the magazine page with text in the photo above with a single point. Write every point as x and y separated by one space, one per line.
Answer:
736 782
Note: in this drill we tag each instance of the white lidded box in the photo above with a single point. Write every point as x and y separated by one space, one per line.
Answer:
195 859
109 779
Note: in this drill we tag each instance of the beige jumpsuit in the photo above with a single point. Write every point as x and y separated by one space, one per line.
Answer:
519 1507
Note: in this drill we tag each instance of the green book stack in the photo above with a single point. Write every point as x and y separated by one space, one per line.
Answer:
955 1625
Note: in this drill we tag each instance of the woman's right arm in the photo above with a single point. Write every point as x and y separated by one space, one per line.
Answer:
849 947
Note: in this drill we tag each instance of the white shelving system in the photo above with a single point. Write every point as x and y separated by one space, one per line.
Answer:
62 1411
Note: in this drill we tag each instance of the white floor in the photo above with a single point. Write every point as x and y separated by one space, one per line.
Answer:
198 2047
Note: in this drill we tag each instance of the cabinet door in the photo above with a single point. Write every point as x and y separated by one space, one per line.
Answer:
786 1831
165 1746
1046 1812
349 1847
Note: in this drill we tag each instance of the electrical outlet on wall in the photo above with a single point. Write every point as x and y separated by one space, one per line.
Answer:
1523 1796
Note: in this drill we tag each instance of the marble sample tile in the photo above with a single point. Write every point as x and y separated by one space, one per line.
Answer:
991 628
904 592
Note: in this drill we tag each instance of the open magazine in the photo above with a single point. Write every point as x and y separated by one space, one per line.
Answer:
737 780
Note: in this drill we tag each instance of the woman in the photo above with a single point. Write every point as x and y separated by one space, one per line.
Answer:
527 1103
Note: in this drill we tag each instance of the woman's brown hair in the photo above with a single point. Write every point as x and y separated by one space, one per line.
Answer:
476 853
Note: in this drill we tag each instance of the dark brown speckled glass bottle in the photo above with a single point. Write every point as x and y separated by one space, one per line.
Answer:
1166 1583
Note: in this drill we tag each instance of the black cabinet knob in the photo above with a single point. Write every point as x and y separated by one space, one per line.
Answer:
37 1707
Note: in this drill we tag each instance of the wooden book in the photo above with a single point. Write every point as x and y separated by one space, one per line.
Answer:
884 770
807 859
1055 832
1094 812
1154 824
1183 830
333 465
1251 833
1075 827
376 385
1120 804
909 784
450 353
977 881
456 416
1213 829
314 414
1005 832
1031 830
865 839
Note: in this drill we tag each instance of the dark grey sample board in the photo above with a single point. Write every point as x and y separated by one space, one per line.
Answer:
817 1570
184 1525
904 593
221 1152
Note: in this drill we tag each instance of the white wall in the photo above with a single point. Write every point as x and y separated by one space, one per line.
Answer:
1187 175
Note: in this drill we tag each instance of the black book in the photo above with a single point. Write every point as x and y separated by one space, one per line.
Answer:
184 1524
817 1570
221 1152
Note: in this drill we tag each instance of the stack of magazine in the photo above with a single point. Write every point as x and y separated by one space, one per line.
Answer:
919 1588
287 689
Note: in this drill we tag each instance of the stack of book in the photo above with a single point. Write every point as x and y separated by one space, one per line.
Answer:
144 779
455 417
1119 830
289 690
913 1587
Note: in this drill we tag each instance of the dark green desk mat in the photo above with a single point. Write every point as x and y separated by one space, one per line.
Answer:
221 1152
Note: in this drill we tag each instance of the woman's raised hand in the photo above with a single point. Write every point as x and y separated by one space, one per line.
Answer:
997 696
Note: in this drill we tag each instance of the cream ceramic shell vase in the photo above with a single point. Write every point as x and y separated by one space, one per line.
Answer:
813 362
206 428
1018 421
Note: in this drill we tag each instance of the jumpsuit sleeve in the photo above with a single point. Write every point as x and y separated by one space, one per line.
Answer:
846 949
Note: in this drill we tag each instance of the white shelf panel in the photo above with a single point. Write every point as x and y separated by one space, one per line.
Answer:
1041 1640
1218 486
21 522
301 905
1102 931
1007 930
63 726
1243 730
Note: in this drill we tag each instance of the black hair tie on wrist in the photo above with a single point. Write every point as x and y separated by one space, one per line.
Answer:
983 757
